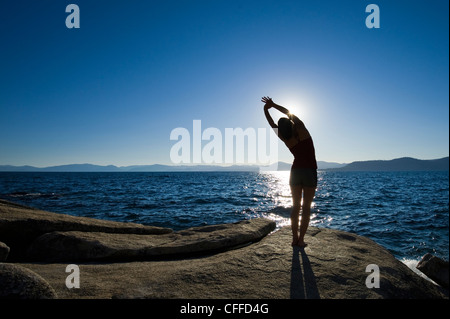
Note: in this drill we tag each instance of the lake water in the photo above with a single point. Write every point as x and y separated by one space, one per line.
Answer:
406 212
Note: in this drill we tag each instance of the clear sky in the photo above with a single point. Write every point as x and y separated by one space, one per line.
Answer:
112 91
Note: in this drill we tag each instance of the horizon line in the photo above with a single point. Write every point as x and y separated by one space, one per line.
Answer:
255 165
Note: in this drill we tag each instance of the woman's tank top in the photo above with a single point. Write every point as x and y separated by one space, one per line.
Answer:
304 154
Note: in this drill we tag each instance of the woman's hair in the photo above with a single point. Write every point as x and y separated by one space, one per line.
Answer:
285 128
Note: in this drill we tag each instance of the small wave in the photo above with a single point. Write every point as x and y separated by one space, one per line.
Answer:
203 201
281 211
412 264
280 221
32 195
147 206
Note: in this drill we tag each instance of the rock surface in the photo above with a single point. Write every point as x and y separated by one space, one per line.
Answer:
20 225
98 246
4 251
17 282
435 269
332 266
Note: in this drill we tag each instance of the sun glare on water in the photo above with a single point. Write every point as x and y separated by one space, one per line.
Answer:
280 192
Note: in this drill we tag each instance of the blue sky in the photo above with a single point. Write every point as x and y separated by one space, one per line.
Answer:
112 91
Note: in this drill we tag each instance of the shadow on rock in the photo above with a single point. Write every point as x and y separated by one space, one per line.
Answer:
303 280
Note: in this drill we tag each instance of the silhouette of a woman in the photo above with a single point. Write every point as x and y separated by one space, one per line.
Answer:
303 177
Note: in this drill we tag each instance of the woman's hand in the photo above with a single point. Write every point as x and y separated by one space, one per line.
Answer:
268 101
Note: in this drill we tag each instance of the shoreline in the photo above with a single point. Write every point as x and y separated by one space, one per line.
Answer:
280 221
399 222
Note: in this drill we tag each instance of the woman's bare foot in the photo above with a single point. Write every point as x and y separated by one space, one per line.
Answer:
301 244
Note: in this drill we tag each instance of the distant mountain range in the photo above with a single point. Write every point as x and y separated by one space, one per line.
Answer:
399 164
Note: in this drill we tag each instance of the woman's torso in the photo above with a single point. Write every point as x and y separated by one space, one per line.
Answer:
301 146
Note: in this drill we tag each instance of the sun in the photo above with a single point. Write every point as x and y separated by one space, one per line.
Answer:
296 106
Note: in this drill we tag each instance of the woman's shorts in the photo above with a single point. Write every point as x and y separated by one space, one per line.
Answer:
306 177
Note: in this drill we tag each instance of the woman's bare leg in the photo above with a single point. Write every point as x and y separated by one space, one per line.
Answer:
308 196
296 200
